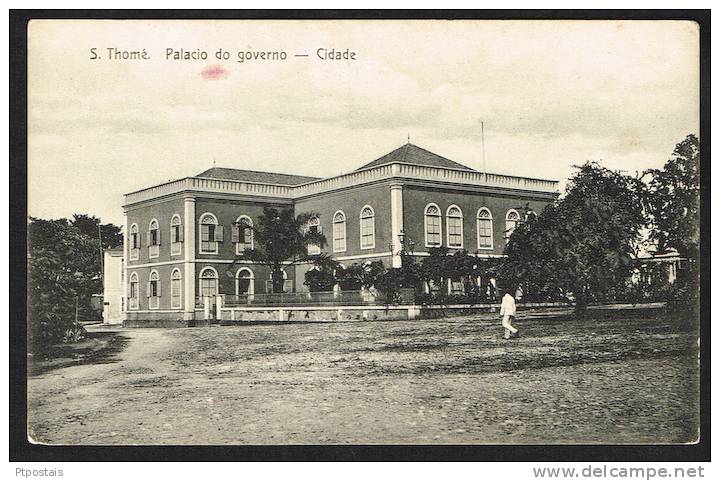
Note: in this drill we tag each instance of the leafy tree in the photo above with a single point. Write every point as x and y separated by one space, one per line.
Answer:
583 245
323 276
372 272
63 264
435 267
110 234
673 200
350 278
280 238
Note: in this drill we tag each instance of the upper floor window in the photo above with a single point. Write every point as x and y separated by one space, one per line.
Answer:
242 234
512 218
153 239
176 235
133 295
134 242
433 226
484 229
210 234
454 227
314 226
339 244
367 228
176 289
154 290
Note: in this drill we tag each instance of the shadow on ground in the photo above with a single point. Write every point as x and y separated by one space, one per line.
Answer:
96 348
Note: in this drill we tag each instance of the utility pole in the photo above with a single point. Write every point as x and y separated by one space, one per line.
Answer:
102 260
482 133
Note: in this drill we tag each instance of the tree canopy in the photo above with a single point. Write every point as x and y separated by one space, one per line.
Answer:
585 243
282 238
64 263
673 200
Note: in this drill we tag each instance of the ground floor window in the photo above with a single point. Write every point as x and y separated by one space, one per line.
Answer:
245 283
133 294
154 290
208 282
176 289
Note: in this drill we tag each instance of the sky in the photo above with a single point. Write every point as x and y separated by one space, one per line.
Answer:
551 94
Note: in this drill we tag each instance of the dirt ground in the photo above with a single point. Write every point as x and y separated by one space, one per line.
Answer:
619 377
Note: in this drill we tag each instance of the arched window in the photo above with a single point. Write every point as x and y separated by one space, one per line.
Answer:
154 290
511 221
245 283
367 228
134 242
433 226
176 235
176 289
210 234
339 244
484 229
133 295
153 239
454 222
314 226
208 282
242 234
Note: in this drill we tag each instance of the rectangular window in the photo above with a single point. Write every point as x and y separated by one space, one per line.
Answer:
314 249
367 233
339 237
454 232
208 240
485 240
208 287
433 231
133 295
175 293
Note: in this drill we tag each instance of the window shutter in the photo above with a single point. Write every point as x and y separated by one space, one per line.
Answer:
148 292
319 229
158 236
181 233
149 239
137 241
219 233
236 233
159 290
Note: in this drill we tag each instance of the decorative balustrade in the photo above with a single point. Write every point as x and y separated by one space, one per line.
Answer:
383 172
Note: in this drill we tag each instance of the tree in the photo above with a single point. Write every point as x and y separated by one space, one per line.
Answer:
673 200
282 238
583 245
350 278
322 277
110 234
63 268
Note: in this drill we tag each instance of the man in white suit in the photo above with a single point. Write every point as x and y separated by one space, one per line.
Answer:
507 312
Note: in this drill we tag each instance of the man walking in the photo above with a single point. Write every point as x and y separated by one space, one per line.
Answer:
507 312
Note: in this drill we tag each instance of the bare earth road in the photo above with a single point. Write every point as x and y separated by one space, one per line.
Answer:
622 378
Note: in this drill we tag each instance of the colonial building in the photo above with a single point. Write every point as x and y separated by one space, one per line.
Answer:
182 239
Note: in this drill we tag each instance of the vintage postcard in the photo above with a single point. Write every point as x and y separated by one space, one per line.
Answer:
352 232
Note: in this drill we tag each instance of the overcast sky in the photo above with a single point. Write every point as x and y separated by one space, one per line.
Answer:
551 94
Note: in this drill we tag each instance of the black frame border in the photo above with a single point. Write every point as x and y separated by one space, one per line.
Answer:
22 450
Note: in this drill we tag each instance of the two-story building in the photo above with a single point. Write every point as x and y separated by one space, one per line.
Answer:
182 239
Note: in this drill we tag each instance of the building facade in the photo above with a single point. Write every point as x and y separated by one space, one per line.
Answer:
113 286
182 242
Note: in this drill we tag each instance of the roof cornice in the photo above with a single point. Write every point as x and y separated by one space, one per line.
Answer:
395 170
